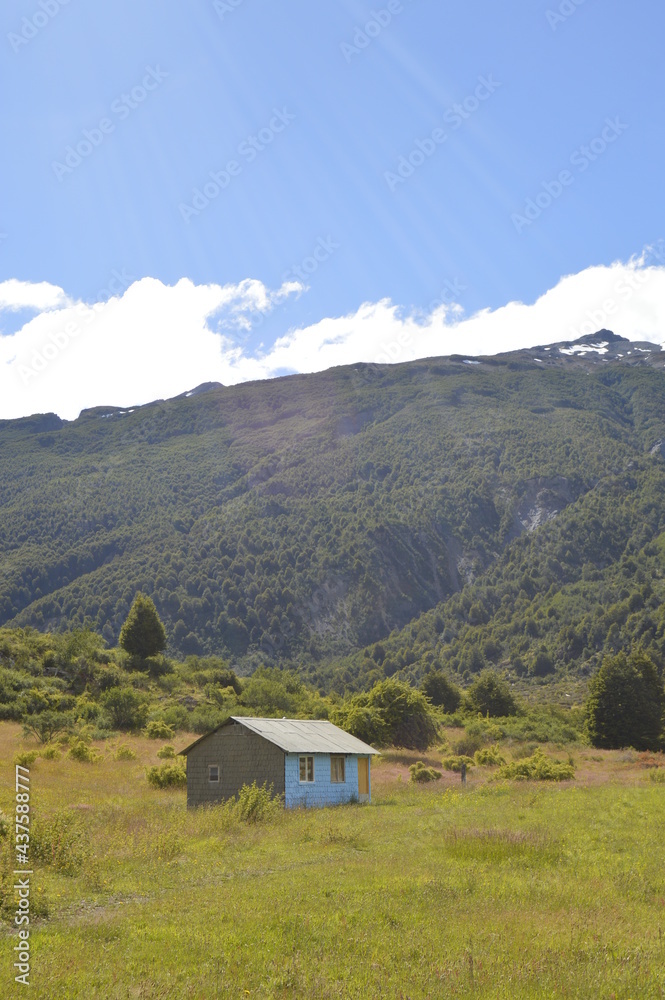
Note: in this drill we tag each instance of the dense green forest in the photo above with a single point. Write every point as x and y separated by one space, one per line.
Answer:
359 523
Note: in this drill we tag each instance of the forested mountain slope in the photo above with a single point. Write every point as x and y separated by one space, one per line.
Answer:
310 516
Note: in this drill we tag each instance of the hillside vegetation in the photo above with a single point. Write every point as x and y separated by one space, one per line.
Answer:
360 522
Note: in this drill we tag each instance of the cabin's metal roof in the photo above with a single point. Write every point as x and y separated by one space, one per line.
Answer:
299 735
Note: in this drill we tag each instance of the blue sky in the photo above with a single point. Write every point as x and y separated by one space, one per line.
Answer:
560 103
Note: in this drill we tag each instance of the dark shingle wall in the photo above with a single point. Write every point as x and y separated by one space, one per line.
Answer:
242 757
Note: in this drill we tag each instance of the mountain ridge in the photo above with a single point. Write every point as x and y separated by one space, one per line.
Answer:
305 518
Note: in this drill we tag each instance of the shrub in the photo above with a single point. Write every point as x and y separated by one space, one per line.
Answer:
546 724
159 730
4 826
256 803
125 708
158 666
167 752
206 718
419 772
467 745
542 664
81 751
490 695
391 713
177 717
488 730
657 775
124 752
408 719
25 758
625 703
488 757
367 724
454 762
441 691
538 767
108 677
50 752
46 725
172 774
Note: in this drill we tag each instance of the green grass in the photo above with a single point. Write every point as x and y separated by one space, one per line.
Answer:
500 890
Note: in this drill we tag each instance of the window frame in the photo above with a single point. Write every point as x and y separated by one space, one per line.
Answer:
211 780
306 780
340 759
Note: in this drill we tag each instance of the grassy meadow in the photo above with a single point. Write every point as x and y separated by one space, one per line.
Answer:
496 890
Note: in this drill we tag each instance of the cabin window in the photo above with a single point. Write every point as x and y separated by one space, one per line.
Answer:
337 770
307 769
213 772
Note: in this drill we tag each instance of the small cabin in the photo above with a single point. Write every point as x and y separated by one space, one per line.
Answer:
308 761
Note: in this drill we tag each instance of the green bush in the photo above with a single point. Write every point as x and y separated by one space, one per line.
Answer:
166 752
25 758
538 767
159 730
454 762
172 774
256 803
420 772
108 677
441 691
488 757
205 718
467 745
125 708
4 826
124 752
657 775
45 725
50 752
490 695
157 666
82 751
366 724
546 724
177 717
392 713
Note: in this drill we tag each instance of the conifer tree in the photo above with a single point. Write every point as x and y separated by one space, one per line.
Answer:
143 634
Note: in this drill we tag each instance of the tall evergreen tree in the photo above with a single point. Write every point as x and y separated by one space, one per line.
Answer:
143 633
625 703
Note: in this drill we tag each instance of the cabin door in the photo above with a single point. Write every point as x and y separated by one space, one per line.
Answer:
363 776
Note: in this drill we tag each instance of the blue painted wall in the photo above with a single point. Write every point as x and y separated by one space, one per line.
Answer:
321 791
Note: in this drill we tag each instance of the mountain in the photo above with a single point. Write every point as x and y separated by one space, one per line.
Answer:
428 509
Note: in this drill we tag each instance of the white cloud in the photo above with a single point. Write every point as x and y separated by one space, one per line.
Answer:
156 341
15 295
151 342
626 298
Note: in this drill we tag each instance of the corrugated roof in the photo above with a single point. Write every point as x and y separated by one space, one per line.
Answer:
300 735
306 735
